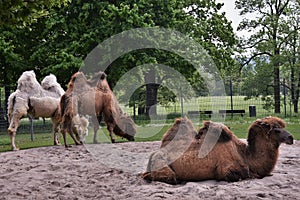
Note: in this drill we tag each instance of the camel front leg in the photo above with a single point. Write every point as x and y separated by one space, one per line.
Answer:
64 132
96 128
96 125
159 170
55 129
111 134
12 135
73 136
12 129
232 172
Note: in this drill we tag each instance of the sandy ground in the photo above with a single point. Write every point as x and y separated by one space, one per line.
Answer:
110 171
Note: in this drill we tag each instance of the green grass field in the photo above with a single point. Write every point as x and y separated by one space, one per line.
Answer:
217 103
153 129
147 132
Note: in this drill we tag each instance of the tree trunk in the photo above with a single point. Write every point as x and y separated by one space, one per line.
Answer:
141 110
294 86
151 92
294 89
276 89
276 63
297 93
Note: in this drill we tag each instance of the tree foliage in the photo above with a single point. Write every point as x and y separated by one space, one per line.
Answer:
271 33
21 12
59 38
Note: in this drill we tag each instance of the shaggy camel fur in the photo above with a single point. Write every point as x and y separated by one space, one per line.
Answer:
94 97
80 127
48 107
18 101
35 100
120 123
230 159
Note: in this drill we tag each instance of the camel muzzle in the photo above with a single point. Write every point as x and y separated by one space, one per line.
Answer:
289 140
129 137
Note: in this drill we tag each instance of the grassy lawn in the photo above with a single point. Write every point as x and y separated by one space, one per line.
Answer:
153 129
145 132
216 103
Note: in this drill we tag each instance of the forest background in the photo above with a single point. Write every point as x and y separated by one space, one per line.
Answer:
56 36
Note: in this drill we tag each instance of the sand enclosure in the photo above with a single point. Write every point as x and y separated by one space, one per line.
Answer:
111 171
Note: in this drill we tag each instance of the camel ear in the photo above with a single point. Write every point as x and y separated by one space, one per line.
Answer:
178 121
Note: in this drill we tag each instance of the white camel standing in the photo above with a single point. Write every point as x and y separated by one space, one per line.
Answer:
37 101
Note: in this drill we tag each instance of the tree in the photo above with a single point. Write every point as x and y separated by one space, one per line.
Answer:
198 19
256 84
270 35
292 55
59 41
20 12
15 16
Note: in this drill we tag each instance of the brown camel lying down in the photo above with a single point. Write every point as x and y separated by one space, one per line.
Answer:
184 156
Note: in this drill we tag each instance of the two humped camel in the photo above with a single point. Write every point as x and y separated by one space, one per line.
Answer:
37 100
94 97
216 153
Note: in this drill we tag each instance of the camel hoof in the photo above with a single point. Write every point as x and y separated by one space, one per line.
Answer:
95 141
146 176
68 146
16 149
113 141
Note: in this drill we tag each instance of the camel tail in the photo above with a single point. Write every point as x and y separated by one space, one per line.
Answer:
10 105
63 105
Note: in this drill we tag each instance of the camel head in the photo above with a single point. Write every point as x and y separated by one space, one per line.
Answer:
270 130
126 127
215 130
80 127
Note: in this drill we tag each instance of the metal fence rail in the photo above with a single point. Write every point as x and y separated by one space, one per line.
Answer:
235 104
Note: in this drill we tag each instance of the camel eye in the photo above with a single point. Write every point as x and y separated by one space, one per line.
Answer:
277 131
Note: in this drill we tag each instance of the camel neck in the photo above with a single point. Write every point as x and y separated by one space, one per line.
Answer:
261 157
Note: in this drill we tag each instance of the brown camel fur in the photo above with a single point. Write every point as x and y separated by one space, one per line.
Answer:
121 124
94 97
230 159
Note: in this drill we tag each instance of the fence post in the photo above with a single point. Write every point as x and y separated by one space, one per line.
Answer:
181 100
252 111
134 110
31 129
284 97
231 99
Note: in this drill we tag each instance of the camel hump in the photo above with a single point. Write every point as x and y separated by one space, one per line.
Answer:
213 129
182 129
